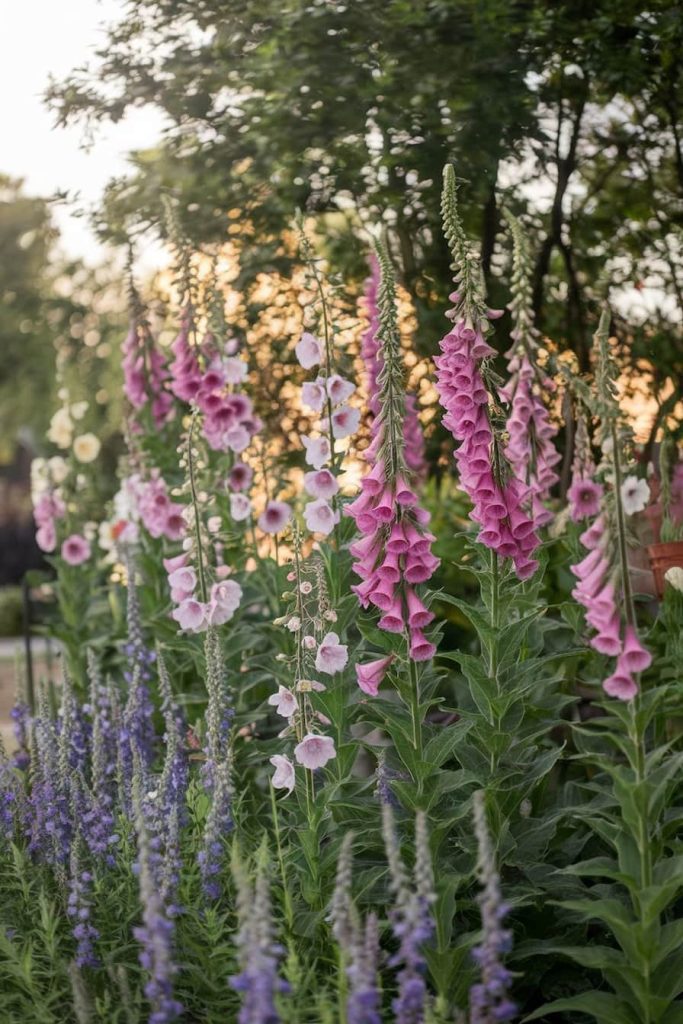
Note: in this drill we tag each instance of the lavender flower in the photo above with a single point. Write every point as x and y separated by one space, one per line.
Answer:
175 773
489 999
258 979
136 732
21 719
98 821
363 1005
359 948
9 791
218 823
155 935
411 919
384 776
219 713
79 907
48 821
74 733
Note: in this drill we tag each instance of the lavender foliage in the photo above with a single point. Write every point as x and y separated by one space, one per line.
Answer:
258 981
156 933
218 824
489 998
411 920
79 909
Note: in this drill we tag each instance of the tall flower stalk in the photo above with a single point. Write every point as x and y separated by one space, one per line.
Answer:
327 396
372 357
530 449
468 392
393 554
604 581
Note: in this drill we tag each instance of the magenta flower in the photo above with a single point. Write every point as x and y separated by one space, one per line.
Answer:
598 590
274 517
634 657
283 776
620 685
46 537
315 751
331 656
370 675
75 549
145 373
584 499
183 579
178 562
394 550
308 351
240 477
497 503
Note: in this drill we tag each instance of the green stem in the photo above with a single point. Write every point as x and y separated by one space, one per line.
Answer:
493 652
287 899
638 760
415 706
621 531
195 506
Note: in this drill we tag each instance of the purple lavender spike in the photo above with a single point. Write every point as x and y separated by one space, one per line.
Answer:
489 999
411 920
258 980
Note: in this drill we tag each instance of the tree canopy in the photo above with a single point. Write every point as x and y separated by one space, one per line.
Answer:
567 111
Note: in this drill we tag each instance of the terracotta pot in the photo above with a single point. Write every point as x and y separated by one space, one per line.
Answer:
663 557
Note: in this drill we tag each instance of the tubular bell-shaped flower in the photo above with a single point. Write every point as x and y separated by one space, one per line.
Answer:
316 651
530 449
394 552
585 492
371 354
145 373
327 396
498 496
604 586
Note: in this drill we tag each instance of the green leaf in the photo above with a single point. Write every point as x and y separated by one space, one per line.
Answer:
602 1006
442 746
616 917
670 939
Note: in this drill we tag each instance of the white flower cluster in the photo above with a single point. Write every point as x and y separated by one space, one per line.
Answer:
327 396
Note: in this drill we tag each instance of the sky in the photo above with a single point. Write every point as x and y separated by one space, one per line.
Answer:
44 37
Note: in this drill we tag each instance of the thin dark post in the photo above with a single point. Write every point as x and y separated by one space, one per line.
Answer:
26 606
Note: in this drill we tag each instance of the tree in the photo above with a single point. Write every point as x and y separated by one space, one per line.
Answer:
566 109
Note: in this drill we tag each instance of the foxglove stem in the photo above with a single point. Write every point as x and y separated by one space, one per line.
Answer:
195 507
621 529
415 704
310 259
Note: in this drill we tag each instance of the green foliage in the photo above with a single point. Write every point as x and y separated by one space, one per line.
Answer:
322 106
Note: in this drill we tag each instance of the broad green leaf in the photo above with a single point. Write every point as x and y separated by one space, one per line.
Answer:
601 1006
